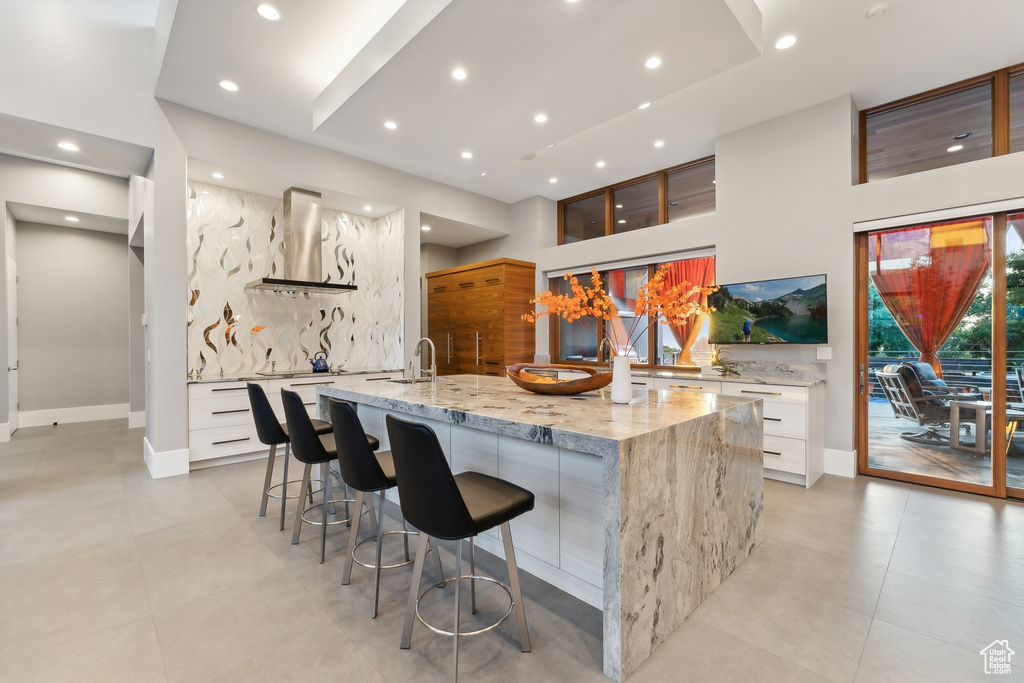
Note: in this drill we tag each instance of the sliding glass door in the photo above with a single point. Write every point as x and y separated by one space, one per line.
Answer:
933 359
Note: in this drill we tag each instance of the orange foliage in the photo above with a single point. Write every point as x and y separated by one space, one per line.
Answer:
654 302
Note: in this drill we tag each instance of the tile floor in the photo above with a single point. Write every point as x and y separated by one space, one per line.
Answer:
107 575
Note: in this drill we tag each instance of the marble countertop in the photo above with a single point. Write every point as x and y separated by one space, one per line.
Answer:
751 372
588 422
286 374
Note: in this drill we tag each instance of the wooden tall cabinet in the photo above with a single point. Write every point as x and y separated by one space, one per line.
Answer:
474 316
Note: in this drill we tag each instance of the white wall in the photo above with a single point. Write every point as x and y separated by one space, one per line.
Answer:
73 319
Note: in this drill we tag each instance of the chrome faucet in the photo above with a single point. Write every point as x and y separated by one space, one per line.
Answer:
611 351
433 356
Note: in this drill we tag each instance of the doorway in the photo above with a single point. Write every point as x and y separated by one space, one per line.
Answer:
939 399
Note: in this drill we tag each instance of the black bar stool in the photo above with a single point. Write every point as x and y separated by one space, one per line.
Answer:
273 433
451 507
311 449
368 473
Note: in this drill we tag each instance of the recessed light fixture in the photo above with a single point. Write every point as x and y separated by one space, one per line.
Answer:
540 118
961 136
621 221
71 219
205 192
714 182
390 125
673 203
459 74
653 63
785 42
877 11
954 148
553 180
69 146
550 146
425 228
644 105
659 143
268 12
483 174
600 164
618 206
367 208
218 176
467 155
571 0
230 86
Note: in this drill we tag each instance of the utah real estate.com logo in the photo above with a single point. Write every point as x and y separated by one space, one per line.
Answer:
997 657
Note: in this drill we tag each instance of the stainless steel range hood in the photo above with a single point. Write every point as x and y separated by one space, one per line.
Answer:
303 271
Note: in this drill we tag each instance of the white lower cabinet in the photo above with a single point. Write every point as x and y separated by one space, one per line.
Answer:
220 423
698 385
794 429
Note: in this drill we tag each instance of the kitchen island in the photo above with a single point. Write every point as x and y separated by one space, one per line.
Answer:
642 509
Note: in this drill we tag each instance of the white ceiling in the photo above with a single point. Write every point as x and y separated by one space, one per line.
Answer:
455 234
49 215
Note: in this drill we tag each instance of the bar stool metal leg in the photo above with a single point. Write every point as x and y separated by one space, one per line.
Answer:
517 594
306 487
269 478
458 596
323 522
284 484
472 575
346 574
380 543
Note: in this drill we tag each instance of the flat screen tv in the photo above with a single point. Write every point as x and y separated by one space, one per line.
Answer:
792 310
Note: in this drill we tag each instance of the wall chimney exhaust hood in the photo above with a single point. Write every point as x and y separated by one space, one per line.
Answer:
303 270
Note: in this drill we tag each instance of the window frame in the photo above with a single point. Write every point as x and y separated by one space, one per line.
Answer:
609 194
999 81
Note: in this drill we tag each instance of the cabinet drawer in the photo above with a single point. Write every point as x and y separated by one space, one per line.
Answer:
204 413
769 392
220 442
787 455
683 384
305 387
785 419
201 390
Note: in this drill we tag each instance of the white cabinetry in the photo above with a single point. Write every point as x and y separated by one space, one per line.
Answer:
794 429
699 385
220 422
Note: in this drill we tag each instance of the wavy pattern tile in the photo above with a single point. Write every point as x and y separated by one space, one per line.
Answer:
235 237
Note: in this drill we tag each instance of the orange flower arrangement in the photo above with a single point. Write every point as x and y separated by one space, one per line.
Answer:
654 302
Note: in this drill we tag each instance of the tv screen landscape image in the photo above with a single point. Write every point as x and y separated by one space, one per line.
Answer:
786 311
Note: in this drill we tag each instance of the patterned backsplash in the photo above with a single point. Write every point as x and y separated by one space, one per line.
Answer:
235 237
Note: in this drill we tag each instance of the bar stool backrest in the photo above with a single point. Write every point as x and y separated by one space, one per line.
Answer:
359 466
306 444
430 498
268 427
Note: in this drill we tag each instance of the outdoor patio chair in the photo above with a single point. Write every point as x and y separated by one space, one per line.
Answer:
931 382
929 408
1020 381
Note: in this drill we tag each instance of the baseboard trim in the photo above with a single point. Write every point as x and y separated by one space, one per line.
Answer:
40 418
5 432
136 419
841 463
165 463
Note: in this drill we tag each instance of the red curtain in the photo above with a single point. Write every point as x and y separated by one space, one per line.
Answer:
696 271
928 276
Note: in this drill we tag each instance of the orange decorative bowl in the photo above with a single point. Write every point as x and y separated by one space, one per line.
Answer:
521 375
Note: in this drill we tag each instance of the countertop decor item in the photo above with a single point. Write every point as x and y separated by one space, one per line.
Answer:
521 375
656 301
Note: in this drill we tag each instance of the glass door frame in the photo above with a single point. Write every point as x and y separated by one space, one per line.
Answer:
998 489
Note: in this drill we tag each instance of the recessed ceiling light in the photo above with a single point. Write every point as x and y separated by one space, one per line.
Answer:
877 11
459 74
571 0
714 182
618 206
622 220
954 148
390 125
600 164
205 192
540 118
961 136
230 86
659 143
553 180
550 146
653 63
71 219
467 155
484 173
785 42
644 105
268 12
218 176
673 203
69 146
425 228
367 208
